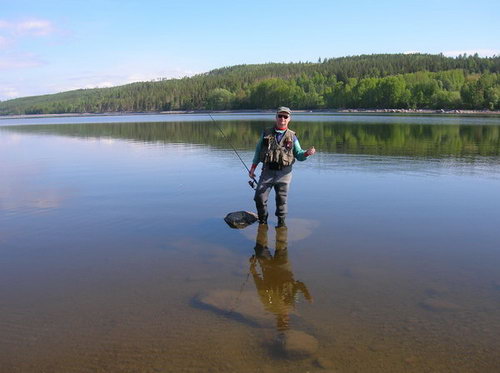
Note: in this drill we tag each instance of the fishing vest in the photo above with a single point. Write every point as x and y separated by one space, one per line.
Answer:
274 153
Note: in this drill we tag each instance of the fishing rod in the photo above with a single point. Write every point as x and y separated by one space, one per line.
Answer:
253 183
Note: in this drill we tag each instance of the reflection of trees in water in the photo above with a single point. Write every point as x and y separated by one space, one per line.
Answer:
242 134
352 138
276 286
405 139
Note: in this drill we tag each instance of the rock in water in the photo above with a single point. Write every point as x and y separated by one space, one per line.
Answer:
324 363
240 219
295 344
439 305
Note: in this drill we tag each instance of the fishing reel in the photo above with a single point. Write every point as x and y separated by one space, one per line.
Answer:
252 183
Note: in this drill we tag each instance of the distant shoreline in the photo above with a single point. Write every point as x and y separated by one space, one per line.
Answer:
255 111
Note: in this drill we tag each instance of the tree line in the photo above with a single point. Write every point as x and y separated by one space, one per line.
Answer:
415 81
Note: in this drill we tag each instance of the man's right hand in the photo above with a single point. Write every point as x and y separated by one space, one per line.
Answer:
251 173
310 151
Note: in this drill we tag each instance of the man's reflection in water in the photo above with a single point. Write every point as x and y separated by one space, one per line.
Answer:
277 289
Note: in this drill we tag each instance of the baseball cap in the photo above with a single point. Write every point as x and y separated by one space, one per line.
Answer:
284 109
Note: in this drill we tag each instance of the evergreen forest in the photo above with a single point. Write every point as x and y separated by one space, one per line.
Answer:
396 81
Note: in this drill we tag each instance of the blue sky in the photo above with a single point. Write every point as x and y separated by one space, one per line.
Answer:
52 46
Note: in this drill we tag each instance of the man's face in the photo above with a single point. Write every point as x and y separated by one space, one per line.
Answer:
282 120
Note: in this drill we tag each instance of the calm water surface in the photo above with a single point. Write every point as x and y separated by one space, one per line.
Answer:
114 256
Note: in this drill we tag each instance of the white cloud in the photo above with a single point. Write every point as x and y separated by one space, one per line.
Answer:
104 84
18 61
158 75
28 27
88 81
7 93
4 42
84 80
35 27
11 33
470 52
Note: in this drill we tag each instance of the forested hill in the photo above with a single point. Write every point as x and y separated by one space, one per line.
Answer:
367 81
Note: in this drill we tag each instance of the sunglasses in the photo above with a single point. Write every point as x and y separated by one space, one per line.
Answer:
282 116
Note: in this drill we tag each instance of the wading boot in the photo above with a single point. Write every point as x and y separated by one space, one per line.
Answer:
281 222
263 219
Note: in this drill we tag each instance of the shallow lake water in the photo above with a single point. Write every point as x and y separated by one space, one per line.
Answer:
114 255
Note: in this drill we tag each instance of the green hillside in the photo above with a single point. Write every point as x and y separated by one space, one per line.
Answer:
369 81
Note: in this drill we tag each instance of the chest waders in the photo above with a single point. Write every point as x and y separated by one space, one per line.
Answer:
277 158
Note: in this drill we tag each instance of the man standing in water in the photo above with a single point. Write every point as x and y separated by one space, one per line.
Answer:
277 149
